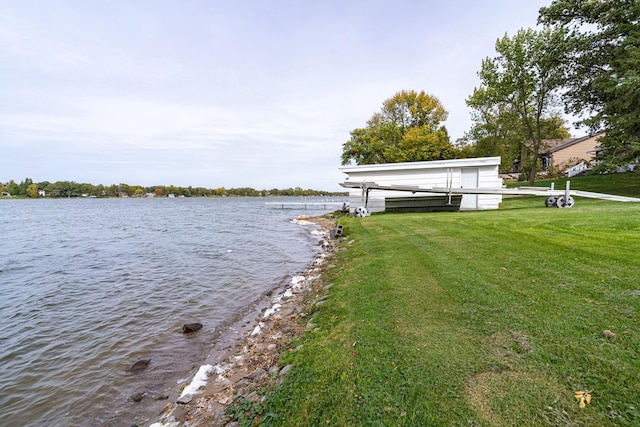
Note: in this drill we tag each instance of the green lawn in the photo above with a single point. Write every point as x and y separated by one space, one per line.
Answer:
488 318
622 184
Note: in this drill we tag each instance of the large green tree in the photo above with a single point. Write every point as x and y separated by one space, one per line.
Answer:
523 80
498 130
603 69
408 128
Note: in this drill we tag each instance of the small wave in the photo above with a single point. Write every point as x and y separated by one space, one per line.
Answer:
99 283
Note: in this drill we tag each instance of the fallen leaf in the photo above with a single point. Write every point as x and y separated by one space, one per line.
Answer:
583 397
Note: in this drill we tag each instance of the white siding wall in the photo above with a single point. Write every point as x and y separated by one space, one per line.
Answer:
489 178
424 175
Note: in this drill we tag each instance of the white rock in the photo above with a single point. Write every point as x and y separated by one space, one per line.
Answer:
258 329
272 310
296 281
288 294
198 382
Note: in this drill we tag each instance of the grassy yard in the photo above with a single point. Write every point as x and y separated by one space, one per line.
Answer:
487 318
622 184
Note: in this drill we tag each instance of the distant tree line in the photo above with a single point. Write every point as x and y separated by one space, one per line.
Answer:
66 189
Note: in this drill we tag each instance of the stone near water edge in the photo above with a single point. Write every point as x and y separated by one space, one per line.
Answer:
284 371
288 311
257 374
189 328
140 365
137 396
161 397
310 325
287 295
219 415
253 397
237 378
274 370
183 400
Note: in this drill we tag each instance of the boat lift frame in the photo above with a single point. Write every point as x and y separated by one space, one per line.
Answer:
554 198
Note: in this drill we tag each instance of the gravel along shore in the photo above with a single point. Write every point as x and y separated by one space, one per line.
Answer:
247 356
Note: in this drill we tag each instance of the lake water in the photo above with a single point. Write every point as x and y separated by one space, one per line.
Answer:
89 286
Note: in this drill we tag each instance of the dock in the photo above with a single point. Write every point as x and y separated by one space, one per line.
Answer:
308 205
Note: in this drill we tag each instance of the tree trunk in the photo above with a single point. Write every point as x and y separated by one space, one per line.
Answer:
534 164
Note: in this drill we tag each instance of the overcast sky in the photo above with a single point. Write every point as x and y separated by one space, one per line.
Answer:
237 93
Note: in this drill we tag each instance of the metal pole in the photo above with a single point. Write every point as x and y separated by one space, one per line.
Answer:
566 193
449 184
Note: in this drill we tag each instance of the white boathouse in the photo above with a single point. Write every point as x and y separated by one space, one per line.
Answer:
454 174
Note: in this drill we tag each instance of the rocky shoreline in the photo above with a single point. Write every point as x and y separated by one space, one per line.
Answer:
247 356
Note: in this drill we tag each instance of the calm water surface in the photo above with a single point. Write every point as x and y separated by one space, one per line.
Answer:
89 286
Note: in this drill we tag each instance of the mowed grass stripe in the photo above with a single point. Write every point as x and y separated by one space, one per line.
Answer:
474 318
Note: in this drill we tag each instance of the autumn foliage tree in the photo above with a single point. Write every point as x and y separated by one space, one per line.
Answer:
408 128
32 191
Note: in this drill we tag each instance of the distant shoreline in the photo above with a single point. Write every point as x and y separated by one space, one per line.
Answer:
70 189
21 197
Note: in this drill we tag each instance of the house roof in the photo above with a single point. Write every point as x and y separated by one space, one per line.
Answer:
553 145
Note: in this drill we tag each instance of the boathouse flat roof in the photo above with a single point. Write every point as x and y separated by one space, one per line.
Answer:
434 164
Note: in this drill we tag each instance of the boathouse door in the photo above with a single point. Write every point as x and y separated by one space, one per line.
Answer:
469 179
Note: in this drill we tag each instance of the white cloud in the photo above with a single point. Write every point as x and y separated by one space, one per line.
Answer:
208 93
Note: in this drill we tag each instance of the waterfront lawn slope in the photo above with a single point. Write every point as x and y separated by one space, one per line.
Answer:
621 184
488 318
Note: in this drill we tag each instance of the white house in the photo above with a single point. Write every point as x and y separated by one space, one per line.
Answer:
458 173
